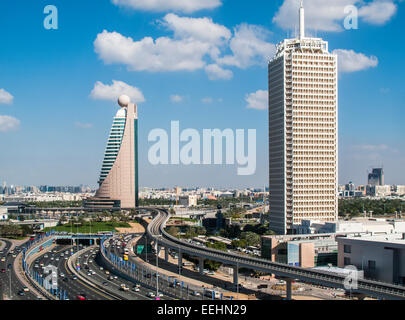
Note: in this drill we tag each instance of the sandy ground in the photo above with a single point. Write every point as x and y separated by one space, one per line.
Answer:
135 228
294 297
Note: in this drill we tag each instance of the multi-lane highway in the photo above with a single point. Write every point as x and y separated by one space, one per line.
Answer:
116 247
11 287
75 288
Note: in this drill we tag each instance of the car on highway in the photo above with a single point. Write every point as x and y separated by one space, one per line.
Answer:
195 294
136 289
80 297
150 295
74 278
3 270
26 289
3 259
21 293
124 287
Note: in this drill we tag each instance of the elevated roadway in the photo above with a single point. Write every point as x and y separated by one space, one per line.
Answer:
290 273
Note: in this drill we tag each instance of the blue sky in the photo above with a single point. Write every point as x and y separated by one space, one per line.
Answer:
211 54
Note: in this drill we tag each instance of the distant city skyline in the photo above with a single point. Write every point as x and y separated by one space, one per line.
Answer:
58 87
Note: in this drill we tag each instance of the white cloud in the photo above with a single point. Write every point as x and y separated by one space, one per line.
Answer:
201 29
207 100
329 15
215 72
162 54
350 61
197 43
5 97
249 47
175 98
8 123
112 92
187 6
378 12
257 100
84 125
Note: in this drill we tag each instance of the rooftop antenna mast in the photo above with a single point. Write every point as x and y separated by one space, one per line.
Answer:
302 20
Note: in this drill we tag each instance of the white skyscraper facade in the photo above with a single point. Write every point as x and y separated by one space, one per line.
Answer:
303 132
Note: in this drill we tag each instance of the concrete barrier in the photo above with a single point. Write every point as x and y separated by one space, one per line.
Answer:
70 263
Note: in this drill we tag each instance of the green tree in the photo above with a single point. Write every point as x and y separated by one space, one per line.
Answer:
173 231
252 239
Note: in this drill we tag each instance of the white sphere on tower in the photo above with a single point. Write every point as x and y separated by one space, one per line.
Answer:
124 101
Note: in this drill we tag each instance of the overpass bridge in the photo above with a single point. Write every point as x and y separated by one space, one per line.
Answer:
290 273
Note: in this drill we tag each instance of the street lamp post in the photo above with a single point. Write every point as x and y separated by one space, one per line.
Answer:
157 266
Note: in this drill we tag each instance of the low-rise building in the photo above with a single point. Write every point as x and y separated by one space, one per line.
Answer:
3 214
305 252
379 191
381 257
188 201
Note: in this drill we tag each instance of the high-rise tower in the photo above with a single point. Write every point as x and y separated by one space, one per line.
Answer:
303 132
119 172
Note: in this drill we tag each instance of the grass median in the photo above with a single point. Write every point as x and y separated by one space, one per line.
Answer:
94 227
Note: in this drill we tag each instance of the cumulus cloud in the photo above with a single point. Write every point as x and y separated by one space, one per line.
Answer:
8 123
329 15
197 43
112 92
257 100
175 98
162 54
5 97
350 61
378 12
201 29
249 47
187 6
215 72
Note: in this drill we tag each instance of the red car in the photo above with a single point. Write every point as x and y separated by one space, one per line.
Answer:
3 270
79 297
